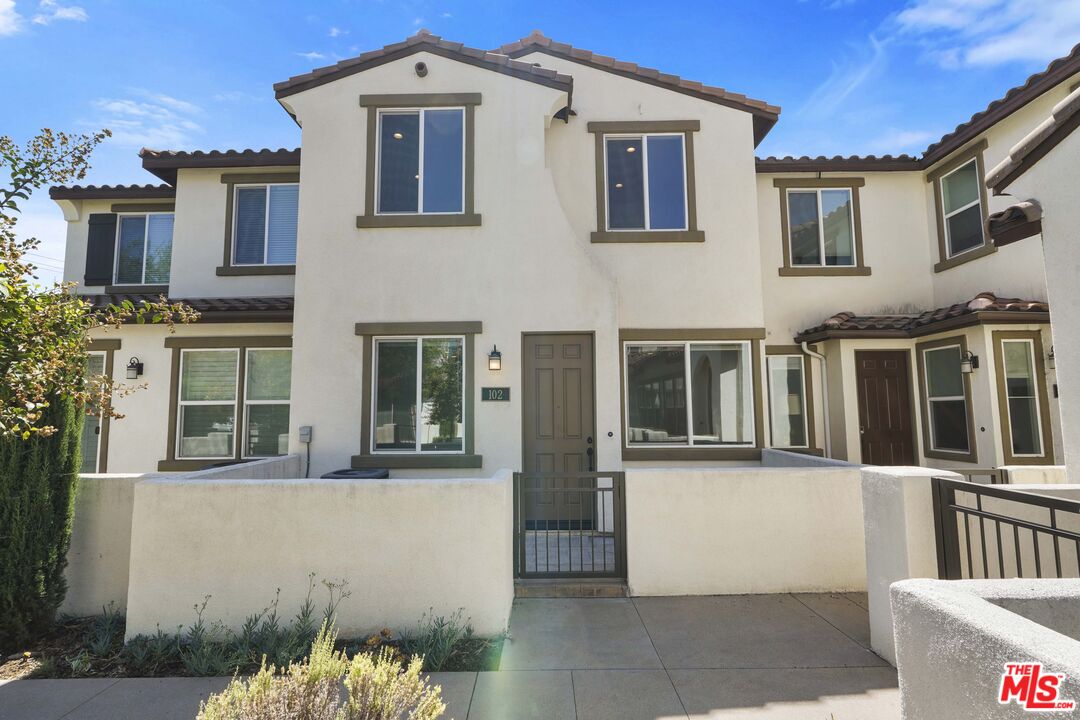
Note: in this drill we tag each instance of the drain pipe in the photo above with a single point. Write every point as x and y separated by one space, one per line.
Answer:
824 396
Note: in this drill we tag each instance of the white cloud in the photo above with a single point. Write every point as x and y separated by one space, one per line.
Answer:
11 21
895 141
446 15
51 11
846 78
313 55
149 119
336 32
958 33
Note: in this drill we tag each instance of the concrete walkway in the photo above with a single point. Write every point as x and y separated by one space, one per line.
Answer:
750 656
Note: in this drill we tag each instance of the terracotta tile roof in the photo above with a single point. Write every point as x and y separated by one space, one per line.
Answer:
1063 119
1016 98
983 308
765 115
865 163
110 192
164 163
424 41
1016 222
231 309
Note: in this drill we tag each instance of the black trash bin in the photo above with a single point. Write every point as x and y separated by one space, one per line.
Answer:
358 474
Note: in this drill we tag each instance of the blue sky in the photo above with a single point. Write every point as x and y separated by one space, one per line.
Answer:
852 76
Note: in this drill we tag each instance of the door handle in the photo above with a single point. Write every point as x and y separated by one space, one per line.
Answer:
589 454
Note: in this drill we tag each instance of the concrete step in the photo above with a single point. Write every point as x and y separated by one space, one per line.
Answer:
566 588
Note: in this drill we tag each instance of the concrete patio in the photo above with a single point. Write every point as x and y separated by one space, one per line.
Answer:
743 656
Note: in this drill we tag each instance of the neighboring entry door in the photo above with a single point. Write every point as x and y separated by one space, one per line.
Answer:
558 422
885 430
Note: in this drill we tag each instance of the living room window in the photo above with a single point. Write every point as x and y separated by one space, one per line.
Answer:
419 386
689 394
645 181
230 399
420 160
946 391
265 224
143 248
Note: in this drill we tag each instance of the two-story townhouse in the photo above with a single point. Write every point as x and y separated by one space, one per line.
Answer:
546 259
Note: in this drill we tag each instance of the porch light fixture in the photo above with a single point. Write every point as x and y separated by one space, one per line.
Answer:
494 358
969 362
134 368
1050 362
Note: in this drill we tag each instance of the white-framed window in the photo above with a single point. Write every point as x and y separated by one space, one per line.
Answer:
645 177
207 402
946 399
91 432
143 248
418 390
788 417
684 394
420 161
821 227
264 223
961 209
1022 398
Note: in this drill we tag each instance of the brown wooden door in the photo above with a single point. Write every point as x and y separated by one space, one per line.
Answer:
558 423
885 429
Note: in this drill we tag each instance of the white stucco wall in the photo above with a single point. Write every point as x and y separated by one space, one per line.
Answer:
1053 182
744 530
97 569
953 640
405 548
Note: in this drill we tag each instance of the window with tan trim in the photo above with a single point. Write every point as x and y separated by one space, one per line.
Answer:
948 420
1022 402
821 226
790 419
960 208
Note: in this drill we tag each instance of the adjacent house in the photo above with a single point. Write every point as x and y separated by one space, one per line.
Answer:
546 259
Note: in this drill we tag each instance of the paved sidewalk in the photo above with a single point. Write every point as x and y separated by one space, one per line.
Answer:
782 657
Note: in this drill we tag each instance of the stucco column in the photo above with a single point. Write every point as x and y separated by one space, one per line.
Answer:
898 522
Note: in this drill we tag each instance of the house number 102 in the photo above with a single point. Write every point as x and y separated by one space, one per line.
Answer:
496 394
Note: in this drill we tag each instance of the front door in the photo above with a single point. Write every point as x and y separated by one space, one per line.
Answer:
558 423
885 430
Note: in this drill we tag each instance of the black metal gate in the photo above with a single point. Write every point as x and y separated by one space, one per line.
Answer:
570 525
998 531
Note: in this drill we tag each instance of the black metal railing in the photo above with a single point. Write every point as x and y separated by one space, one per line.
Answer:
990 531
570 525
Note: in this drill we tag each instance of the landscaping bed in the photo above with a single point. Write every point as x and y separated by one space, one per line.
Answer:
94 647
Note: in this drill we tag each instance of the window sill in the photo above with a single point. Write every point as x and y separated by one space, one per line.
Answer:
137 289
970 255
825 271
648 236
694 453
405 221
968 457
417 461
233 270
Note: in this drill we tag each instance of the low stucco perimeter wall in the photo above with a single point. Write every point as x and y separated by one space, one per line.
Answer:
404 548
744 530
770 457
1036 474
97 569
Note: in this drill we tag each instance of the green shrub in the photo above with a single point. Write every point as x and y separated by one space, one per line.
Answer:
449 643
38 479
377 686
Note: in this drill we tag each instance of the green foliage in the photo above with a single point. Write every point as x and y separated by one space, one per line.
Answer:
37 491
377 686
447 643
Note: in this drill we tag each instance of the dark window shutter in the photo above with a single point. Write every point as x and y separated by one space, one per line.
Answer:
100 245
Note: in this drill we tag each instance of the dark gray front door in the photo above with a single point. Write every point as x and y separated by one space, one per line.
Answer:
558 422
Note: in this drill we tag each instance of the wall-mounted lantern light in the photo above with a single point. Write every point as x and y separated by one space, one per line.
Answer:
969 362
134 368
494 359
1050 363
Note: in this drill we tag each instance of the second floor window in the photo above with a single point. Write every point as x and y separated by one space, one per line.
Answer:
265 231
646 182
143 249
821 227
421 161
961 209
